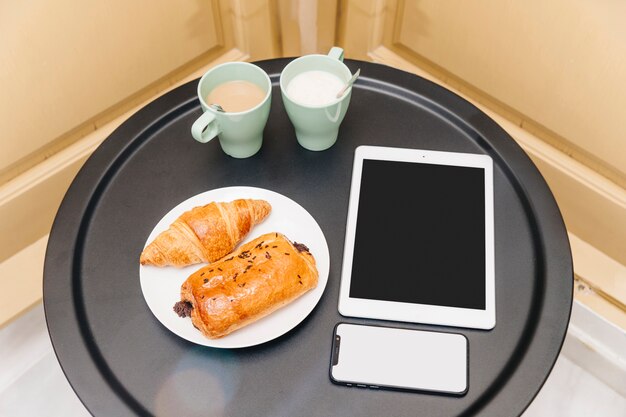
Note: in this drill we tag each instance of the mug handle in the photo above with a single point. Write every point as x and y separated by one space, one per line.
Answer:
205 128
336 52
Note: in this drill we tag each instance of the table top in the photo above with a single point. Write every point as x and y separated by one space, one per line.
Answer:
121 361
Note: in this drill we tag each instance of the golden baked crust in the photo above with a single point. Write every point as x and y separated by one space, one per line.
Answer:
205 233
259 278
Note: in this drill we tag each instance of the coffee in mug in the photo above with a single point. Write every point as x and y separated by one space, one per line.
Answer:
236 96
314 88
244 91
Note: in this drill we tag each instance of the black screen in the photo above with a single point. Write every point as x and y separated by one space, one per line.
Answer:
420 235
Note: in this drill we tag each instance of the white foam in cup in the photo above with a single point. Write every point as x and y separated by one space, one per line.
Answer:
309 86
314 88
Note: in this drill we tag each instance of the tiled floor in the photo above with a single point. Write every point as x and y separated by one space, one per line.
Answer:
572 392
31 380
32 383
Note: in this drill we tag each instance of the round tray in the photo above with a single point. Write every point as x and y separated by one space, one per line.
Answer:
121 361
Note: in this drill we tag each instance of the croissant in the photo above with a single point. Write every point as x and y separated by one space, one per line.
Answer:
259 278
205 233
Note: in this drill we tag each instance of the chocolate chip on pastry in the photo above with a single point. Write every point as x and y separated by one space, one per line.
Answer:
260 277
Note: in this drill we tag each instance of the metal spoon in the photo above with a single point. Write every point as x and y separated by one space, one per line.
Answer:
217 107
349 83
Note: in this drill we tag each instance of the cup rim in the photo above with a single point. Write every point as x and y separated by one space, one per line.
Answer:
283 89
226 64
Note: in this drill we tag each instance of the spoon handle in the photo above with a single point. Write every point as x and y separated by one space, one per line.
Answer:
349 83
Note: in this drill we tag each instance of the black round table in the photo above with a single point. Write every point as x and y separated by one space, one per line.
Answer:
121 361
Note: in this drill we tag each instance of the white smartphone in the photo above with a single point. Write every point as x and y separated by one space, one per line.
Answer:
384 357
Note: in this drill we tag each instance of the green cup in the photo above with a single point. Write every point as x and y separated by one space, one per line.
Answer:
240 133
316 127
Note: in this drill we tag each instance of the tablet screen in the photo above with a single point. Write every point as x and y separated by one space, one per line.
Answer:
420 234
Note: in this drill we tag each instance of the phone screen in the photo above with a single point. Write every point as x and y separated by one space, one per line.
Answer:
384 357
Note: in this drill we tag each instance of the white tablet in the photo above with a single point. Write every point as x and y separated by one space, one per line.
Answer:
420 238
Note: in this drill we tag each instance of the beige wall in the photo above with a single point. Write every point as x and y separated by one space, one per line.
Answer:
91 61
307 27
64 62
559 63
556 68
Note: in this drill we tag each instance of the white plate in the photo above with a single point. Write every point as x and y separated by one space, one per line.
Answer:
161 286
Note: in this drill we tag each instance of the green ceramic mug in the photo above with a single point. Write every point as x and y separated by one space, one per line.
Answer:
240 133
316 127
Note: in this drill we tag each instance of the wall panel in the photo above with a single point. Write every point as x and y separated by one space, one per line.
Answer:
560 63
63 62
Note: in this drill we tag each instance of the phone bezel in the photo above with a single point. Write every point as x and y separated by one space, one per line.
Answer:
362 384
